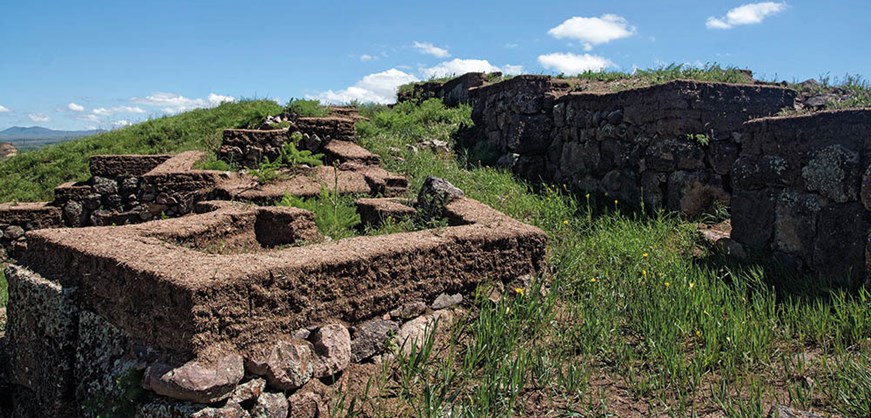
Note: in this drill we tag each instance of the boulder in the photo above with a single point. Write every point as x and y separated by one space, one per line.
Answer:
286 365
371 338
332 345
409 310
270 405
445 300
435 194
196 381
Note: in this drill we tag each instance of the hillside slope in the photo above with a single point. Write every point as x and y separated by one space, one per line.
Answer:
32 176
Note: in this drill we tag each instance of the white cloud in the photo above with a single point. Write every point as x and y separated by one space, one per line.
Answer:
367 57
3 109
102 111
510 45
430 49
38 117
748 14
75 107
593 30
513 69
458 66
122 123
175 103
90 118
568 63
378 88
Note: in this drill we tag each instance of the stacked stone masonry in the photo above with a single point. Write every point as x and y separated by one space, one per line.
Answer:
210 331
802 192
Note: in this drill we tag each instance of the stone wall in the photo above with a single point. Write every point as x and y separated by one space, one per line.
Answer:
453 92
228 316
802 192
16 219
669 144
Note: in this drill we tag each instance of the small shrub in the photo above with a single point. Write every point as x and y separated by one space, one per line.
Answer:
335 215
306 108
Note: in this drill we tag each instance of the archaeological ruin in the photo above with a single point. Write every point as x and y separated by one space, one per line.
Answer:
190 288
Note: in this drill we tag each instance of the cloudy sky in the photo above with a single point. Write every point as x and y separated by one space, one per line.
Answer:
78 65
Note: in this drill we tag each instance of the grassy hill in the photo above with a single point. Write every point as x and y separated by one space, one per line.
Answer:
32 176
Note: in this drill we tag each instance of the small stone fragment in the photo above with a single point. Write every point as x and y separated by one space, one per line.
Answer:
248 391
103 185
271 405
445 300
409 310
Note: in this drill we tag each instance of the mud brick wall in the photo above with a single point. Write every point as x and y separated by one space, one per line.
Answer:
670 144
453 92
248 147
802 192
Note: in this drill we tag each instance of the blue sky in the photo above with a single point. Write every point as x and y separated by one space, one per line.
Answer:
77 65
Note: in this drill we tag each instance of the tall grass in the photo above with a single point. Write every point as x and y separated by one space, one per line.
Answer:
636 301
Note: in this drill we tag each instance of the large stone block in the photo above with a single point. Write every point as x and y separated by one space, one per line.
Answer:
41 340
753 214
833 172
839 253
795 226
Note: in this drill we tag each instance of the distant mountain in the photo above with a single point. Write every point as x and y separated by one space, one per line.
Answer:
38 132
33 137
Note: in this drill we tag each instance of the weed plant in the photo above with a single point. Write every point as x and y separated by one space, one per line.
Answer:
306 108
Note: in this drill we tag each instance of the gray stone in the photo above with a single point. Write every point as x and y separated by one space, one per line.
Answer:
795 226
13 232
371 337
782 411
311 401
333 348
615 117
104 185
74 214
287 365
839 257
408 311
866 189
196 381
40 341
445 300
91 202
167 409
579 158
753 215
674 154
721 156
130 184
247 391
270 405
413 334
435 194
834 173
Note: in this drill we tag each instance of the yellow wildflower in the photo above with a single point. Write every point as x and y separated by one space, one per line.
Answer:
615 202
667 284
566 222
593 280
692 285
698 333
645 255
518 290
644 273
587 195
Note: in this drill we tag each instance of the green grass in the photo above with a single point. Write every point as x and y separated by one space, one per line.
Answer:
4 288
638 308
32 176
335 215
307 108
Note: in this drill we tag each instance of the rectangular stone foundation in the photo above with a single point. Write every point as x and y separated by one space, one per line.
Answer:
155 285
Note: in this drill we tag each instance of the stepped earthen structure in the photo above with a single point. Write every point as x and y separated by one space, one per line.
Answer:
191 289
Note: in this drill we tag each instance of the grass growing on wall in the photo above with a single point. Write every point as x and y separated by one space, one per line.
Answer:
4 288
32 176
